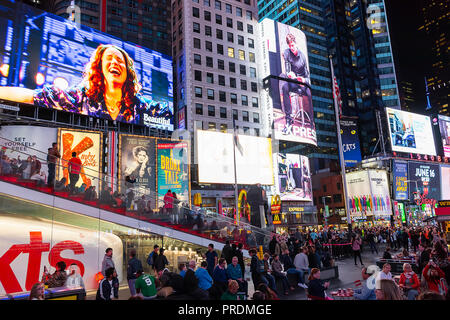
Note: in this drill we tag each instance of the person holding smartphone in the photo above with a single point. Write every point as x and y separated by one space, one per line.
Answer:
433 275
316 287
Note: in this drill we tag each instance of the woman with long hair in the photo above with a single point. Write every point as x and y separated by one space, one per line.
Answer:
109 89
387 290
37 291
316 287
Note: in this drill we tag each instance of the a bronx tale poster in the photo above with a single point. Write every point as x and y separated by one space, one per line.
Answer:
137 158
173 169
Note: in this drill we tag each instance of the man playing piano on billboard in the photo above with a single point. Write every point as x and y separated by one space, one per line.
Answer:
295 68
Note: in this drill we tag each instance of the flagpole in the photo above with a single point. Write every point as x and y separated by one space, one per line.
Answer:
235 174
341 153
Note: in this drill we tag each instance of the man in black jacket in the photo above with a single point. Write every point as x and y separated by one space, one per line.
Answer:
255 198
134 264
108 288
227 252
240 256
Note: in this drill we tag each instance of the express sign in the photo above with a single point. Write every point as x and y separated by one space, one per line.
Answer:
27 246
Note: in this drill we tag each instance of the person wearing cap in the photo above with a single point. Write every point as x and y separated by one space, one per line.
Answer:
367 292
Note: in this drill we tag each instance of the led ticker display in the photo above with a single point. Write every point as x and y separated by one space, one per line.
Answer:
51 62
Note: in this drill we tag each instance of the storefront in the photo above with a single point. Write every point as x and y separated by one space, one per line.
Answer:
293 216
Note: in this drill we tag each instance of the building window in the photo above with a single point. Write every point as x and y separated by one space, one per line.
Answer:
198 108
207 15
218 19
242 69
235 115
223 127
196 27
198 92
254 86
324 188
219 49
197 44
251 43
208 31
337 198
211 126
232 66
219 34
255 117
198 75
256 132
245 116
233 98
195 12
249 15
221 80
210 93
246 129
209 77
251 57
238 12
231 52
243 85
232 82
339 186
206 3
197 59
223 112
240 26
220 64
222 96
255 102
241 54
211 111
252 72
241 40
229 23
228 8
250 28
209 62
244 100
218 5
208 46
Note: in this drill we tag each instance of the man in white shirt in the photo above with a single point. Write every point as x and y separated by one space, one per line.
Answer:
301 262
385 272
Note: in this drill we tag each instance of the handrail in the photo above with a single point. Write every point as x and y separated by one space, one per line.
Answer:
181 208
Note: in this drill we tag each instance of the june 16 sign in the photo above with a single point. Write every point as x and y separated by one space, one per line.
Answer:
400 180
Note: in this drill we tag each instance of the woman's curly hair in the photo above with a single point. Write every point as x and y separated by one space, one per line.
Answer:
95 81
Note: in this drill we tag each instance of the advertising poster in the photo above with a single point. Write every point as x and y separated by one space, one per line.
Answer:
88 147
290 108
445 183
410 132
368 193
137 160
428 182
173 169
293 181
350 142
24 141
444 127
400 171
54 63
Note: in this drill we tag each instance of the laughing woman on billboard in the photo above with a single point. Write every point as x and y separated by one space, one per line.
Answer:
109 90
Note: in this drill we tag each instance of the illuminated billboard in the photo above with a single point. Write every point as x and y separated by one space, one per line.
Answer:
400 186
288 104
410 132
368 193
424 182
216 162
350 142
444 127
88 148
293 181
53 63
445 183
173 169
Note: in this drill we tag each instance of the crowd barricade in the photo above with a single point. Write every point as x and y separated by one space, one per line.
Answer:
61 293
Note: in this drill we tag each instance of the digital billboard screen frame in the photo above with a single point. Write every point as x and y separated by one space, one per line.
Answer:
444 129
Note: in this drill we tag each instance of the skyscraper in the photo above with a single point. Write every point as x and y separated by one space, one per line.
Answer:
143 22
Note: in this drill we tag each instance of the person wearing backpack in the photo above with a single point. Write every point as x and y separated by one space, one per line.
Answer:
151 259
134 265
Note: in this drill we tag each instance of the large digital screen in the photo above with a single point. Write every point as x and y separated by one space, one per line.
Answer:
350 142
289 103
410 132
137 160
444 127
445 183
53 63
88 148
24 141
215 158
293 177
368 193
425 179
173 169
400 171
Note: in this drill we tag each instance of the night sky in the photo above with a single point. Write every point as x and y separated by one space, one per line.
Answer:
411 50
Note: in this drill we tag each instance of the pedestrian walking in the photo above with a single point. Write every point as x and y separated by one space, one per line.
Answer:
134 265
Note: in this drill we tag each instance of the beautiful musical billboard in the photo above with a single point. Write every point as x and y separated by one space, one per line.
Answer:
293 177
425 180
88 148
54 63
288 104
400 171
137 161
410 132
445 183
173 169
444 127
350 142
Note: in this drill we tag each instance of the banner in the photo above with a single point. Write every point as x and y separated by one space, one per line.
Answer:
350 142
400 171
55 63
21 141
444 126
445 183
173 169
88 147
289 104
293 181
428 182
137 159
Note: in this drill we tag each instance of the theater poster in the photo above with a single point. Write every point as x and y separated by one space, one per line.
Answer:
173 169
425 182
88 147
400 180
289 103
350 141
137 159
